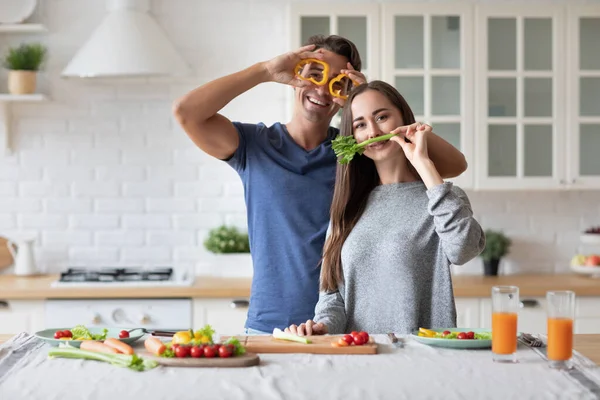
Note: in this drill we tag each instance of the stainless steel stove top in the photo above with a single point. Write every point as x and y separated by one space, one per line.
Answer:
122 276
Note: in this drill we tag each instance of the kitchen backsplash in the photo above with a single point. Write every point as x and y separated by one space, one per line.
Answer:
103 175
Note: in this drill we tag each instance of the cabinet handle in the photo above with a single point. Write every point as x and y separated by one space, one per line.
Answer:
4 304
529 304
563 182
239 304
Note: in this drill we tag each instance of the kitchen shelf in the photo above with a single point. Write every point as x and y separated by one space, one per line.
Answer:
5 124
22 28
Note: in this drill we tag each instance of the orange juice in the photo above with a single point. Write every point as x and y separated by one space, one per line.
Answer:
504 333
560 339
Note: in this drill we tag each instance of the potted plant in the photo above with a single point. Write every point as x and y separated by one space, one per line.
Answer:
231 249
496 247
23 62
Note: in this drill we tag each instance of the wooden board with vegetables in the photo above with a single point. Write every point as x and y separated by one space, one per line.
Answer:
198 349
281 342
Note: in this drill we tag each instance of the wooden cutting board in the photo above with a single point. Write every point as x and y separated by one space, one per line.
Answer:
6 259
318 345
245 360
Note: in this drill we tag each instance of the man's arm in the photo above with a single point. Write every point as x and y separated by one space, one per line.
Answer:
197 111
448 160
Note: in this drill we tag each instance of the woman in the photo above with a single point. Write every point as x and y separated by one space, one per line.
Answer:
396 227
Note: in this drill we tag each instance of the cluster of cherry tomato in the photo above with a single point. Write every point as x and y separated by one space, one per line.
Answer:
63 334
462 335
205 350
354 338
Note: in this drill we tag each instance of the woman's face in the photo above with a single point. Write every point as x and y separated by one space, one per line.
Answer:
374 115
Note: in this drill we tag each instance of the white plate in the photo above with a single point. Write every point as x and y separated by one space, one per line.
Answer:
16 11
582 269
590 238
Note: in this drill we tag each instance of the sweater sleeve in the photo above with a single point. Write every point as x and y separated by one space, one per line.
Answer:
461 235
331 311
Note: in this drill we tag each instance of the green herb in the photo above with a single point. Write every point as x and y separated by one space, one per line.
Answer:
133 361
346 146
207 332
227 240
279 334
238 349
26 57
497 245
80 332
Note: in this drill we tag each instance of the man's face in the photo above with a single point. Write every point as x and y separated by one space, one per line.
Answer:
314 102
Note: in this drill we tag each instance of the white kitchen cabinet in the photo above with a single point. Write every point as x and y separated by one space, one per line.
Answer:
520 75
428 57
21 316
467 312
531 318
587 315
226 316
583 92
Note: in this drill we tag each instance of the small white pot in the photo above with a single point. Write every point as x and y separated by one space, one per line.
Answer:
233 265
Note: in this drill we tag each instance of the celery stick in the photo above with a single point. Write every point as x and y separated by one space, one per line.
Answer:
121 360
279 334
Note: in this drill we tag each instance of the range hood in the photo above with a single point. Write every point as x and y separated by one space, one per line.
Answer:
128 43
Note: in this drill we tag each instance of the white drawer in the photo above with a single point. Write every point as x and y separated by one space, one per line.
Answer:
587 307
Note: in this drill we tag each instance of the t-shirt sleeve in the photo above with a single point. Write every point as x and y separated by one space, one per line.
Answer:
246 133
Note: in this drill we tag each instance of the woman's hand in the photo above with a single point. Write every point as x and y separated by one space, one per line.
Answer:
307 329
281 68
356 76
416 150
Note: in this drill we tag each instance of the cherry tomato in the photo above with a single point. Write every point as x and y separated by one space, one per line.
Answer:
342 342
359 340
209 352
123 334
58 334
364 335
196 352
174 346
348 339
224 351
470 335
182 351
446 333
354 333
67 333
462 335
231 348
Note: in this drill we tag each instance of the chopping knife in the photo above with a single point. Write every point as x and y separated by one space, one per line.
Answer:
155 332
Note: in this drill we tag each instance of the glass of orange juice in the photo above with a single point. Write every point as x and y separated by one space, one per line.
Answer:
505 306
561 311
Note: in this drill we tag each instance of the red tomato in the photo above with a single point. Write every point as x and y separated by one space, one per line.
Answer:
175 346
462 335
225 351
182 351
342 342
67 333
446 333
359 340
348 339
230 347
58 334
365 336
209 352
353 333
470 335
123 334
196 352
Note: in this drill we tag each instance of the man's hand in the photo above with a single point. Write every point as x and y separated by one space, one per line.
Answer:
307 329
281 68
356 76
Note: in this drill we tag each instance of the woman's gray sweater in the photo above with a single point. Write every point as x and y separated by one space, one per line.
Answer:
396 261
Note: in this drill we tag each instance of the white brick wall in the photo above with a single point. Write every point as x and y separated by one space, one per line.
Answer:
102 173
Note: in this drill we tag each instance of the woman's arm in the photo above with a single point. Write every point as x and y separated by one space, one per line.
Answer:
449 161
331 312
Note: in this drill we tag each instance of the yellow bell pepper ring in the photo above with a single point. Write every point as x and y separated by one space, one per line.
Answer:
324 73
182 337
426 332
336 85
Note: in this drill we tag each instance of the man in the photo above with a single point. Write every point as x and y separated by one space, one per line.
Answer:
288 172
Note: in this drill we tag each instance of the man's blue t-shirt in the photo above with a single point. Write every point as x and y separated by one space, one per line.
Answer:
288 192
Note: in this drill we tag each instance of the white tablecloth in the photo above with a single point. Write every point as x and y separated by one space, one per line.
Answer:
416 371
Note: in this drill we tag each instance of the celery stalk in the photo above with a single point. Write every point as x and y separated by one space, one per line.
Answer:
279 334
121 360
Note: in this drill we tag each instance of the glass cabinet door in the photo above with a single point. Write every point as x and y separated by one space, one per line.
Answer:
357 22
584 92
428 58
519 136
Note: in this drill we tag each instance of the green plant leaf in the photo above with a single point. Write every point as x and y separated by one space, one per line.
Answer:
26 57
226 239
497 245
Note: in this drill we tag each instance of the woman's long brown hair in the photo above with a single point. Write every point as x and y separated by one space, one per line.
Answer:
353 183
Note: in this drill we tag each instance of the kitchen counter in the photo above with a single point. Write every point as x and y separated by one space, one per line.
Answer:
38 287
